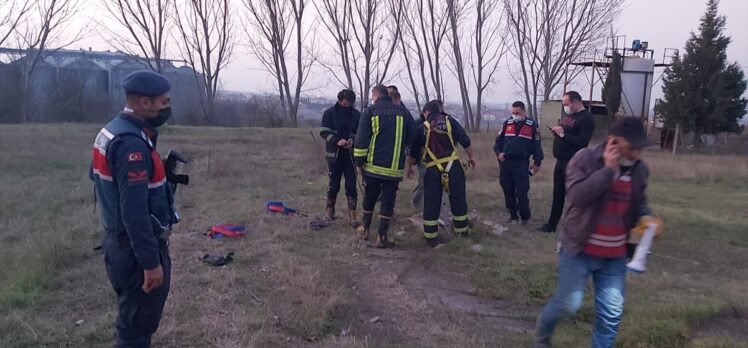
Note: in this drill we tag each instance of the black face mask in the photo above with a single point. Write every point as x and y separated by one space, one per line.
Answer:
160 119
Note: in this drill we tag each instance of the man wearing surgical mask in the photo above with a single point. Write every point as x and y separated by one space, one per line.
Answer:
517 140
572 134
136 212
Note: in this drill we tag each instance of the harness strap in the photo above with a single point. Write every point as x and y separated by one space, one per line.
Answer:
431 156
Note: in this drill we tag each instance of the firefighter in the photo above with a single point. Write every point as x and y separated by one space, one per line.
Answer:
338 129
516 142
385 133
436 146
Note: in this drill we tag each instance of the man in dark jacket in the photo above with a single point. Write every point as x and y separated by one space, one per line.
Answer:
338 129
385 132
136 207
517 141
606 193
572 134
436 146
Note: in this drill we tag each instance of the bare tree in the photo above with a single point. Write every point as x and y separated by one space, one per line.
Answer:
371 33
44 26
335 16
207 40
456 11
489 49
425 28
549 34
145 23
280 23
12 12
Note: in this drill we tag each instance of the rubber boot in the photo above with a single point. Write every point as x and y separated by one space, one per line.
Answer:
330 209
352 214
382 241
363 228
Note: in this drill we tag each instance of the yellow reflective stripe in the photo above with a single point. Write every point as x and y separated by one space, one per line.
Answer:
398 142
431 235
431 222
374 169
461 229
373 142
360 152
460 218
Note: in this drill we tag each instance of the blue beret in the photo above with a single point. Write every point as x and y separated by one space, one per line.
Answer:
146 83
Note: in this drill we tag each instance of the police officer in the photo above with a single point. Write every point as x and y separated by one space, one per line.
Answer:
385 133
135 204
338 129
517 141
436 145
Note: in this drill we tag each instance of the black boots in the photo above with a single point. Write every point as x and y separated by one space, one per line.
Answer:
384 225
330 209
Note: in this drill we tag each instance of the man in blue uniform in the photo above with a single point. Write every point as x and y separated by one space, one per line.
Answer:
338 129
436 145
136 207
385 133
517 141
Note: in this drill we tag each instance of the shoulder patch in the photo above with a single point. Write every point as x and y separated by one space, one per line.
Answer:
134 157
529 121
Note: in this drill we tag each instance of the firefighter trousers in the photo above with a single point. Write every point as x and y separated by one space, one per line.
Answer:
432 200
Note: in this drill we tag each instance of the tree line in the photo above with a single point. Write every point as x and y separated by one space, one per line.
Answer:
358 43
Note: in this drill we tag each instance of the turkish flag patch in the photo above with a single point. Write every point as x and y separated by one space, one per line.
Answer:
134 157
137 176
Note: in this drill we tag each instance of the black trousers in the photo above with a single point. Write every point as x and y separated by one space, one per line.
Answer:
432 200
374 188
515 181
337 170
559 193
139 313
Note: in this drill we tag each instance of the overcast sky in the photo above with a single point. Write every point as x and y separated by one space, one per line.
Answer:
663 23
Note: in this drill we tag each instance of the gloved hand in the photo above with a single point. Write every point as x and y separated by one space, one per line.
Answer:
638 231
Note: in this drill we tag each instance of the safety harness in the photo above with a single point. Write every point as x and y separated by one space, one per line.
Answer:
441 128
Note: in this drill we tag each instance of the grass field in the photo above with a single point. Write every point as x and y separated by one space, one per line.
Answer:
292 287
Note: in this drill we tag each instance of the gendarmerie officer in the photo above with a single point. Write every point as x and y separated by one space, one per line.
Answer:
136 207
517 141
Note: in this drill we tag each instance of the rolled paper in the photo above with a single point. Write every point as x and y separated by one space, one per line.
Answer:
638 263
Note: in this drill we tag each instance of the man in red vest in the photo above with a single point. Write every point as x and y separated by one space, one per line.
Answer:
606 194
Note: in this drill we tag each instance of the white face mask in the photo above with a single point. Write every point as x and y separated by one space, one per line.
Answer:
517 118
567 110
625 162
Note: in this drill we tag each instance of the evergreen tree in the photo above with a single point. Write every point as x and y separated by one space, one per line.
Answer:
613 88
702 91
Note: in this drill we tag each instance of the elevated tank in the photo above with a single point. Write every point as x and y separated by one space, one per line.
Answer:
636 84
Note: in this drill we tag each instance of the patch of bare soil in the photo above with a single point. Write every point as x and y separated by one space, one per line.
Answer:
407 294
732 322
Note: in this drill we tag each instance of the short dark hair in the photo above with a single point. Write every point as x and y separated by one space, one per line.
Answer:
574 96
519 104
434 106
393 87
348 95
394 94
380 90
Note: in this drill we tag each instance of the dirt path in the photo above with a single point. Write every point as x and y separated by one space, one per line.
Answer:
409 294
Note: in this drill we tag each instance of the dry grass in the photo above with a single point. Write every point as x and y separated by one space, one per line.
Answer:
292 287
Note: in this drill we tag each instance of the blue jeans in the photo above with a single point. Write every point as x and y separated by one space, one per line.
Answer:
609 278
